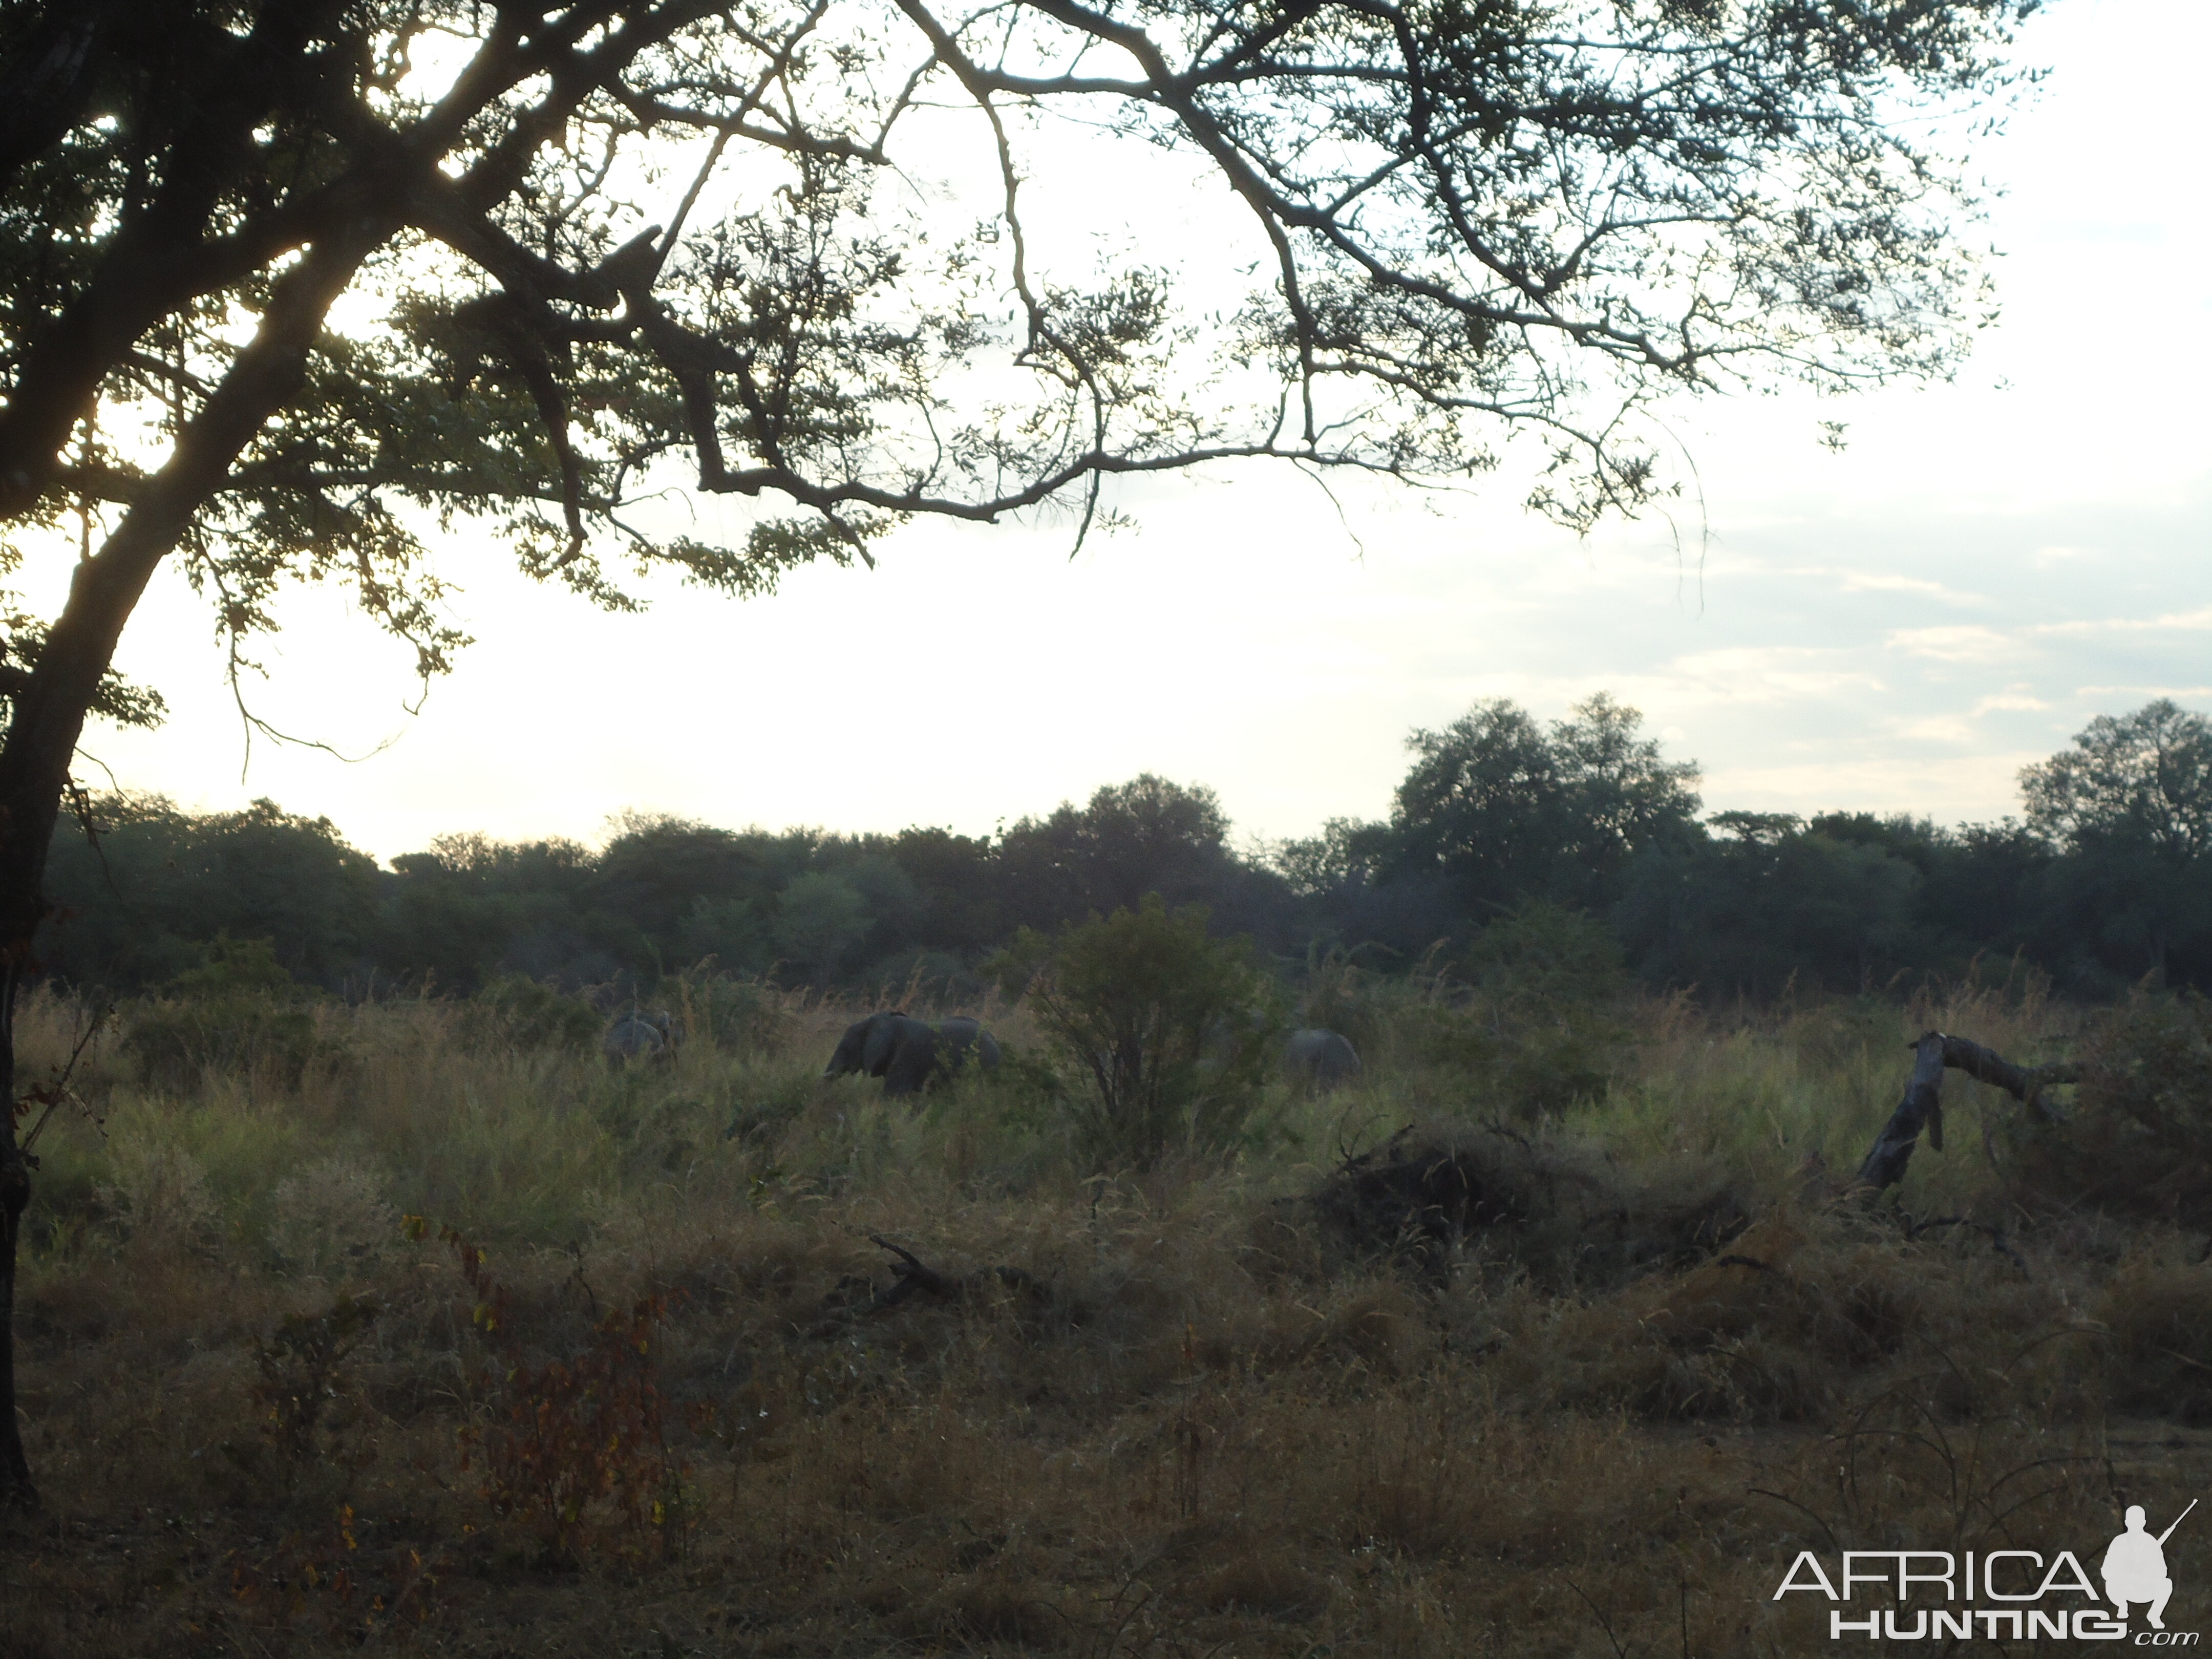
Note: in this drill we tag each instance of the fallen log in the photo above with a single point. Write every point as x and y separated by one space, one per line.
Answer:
1922 1108
912 1276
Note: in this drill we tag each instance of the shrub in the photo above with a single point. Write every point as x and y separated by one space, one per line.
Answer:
1543 956
524 1014
161 1195
740 1015
1547 981
2139 1138
1157 1018
575 1449
2150 1061
238 1010
312 1410
332 1218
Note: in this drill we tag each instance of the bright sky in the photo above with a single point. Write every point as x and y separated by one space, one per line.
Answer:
1898 628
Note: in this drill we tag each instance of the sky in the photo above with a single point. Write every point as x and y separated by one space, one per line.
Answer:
1900 627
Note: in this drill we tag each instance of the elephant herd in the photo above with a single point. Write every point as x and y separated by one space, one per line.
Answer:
909 1053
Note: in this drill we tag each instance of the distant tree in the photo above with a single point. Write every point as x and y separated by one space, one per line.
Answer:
655 867
1756 913
820 918
1483 802
956 877
1621 796
1348 853
2143 779
1146 836
583 242
1918 841
2131 807
1511 812
459 916
1977 896
141 897
439 928
1757 828
1978 885
734 932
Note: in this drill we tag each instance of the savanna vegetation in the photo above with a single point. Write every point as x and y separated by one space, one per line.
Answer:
1503 824
360 1304
290 288
407 1323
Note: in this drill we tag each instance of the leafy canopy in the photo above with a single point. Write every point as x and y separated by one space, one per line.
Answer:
1511 809
287 286
2142 779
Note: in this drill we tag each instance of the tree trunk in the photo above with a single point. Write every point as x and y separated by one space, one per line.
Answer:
1922 1108
1923 1105
16 1484
49 712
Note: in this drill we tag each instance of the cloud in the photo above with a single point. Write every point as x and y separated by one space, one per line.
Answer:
1967 643
1885 782
1935 728
2015 697
1853 579
2191 620
1746 675
1861 582
2143 691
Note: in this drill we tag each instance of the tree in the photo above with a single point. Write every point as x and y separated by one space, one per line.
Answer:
585 239
1482 802
1170 1030
2131 807
138 899
1511 812
1146 836
1773 906
2144 779
819 917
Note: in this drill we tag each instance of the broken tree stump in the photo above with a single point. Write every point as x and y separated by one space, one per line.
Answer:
1922 1108
911 1275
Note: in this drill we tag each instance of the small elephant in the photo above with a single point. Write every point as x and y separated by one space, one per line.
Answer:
638 1037
1321 1057
908 1052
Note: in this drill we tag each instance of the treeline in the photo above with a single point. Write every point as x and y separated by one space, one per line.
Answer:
2105 878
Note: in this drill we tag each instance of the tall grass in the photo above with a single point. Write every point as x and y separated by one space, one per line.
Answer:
1189 1418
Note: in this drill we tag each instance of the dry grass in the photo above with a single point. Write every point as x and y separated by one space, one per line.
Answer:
1206 1417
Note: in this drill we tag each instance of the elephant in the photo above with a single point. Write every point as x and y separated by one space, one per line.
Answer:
1321 1057
908 1052
639 1036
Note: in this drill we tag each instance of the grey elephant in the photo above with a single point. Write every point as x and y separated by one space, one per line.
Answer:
638 1035
908 1053
1321 1057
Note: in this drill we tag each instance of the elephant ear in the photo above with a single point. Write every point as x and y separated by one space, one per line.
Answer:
878 1043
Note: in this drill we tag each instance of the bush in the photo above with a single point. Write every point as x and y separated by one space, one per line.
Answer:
1156 1018
742 1016
2139 1138
524 1014
1536 1026
237 1010
1547 982
332 1218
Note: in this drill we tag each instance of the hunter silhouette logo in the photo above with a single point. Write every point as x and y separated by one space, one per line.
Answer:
2134 1566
